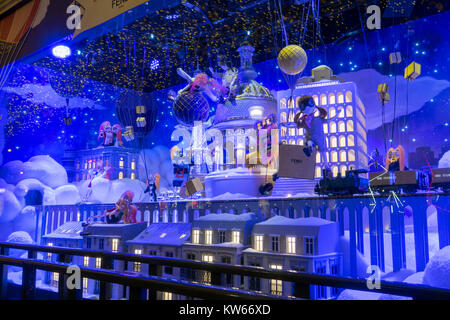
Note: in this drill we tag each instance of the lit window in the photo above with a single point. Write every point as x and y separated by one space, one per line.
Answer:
342 141
325 128
259 242
276 287
334 156
333 142
85 165
342 156
236 236
120 175
133 165
207 258
351 140
318 157
300 131
340 97
300 142
332 112
348 96
309 245
121 164
335 170
292 132
98 263
276 266
323 99
349 111
195 236
331 98
343 170
115 245
332 127
283 131
86 261
341 113
350 126
282 103
208 236
137 265
133 176
167 295
55 279
283 117
318 172
291 244
351 155
85 285
49 255
341 126
316 100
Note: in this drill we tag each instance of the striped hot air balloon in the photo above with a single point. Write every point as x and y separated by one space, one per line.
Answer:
14 26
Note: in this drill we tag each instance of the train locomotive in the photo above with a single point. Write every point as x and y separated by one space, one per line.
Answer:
409 181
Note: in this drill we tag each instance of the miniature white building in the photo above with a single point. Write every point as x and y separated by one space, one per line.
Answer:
160 239
67 235
219 238
113 238
346 133
304 245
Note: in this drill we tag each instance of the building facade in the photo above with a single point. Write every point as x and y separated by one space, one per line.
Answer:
345 132
219 238
160 239
81 164
303 245
113 238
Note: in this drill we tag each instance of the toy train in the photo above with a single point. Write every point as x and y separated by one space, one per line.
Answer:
409 181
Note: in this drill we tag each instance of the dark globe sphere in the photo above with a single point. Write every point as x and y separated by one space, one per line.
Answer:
191 107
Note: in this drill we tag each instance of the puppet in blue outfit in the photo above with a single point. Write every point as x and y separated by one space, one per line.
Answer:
313 126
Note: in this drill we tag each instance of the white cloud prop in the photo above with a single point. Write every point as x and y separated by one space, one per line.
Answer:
42 168
421 90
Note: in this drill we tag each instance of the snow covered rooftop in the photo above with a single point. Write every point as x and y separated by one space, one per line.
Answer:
171 234
228 217
69 230
124 231
284 221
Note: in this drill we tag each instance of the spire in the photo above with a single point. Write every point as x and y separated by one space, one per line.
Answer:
246 71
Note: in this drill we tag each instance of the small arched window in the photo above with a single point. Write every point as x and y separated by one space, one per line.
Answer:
349 111
283 131
318 172
331 98
300 142
316 99
283 103
333 142
283 117
348 96
325 128
350 126
351 140
341 126
318 157
335 171
342 141
343 170
340 97
332 127
332 113
334 156
351 155
342 156
323 99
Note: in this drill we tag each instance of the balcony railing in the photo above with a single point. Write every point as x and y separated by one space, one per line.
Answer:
154 282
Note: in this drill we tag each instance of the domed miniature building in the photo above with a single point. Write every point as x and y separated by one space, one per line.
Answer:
253 101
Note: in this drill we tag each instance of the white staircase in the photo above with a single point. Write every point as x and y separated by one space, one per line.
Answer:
285 187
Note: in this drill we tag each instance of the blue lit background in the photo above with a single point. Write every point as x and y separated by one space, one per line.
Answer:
34 120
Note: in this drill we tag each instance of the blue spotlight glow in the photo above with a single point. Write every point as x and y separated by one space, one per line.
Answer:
61 51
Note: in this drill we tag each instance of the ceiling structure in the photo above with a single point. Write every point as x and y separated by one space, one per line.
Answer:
145 53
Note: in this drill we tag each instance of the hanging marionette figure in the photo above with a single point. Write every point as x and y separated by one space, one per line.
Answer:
117 130
228 78
313 126
200 83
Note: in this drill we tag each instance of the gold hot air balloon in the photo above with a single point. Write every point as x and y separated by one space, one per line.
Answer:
292 60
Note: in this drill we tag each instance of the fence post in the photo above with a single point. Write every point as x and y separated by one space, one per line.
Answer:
3 274
29 279
106 287
154 270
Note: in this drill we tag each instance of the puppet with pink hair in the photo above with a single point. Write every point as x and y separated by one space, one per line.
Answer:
202 83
